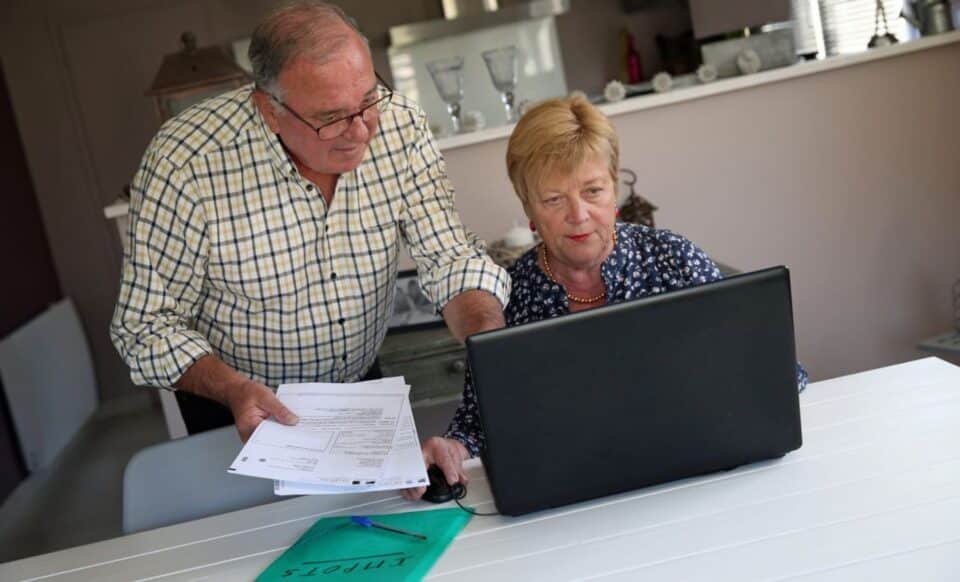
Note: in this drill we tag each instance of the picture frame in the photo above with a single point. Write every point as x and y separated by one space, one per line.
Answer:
411 308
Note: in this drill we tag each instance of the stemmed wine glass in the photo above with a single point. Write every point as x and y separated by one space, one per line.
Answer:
502 65
448 77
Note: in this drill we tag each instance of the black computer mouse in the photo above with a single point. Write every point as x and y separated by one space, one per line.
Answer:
439 491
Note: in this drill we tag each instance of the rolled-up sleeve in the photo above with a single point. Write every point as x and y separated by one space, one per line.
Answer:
449 258
163 273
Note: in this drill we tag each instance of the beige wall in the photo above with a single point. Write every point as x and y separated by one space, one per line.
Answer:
819 148
850 177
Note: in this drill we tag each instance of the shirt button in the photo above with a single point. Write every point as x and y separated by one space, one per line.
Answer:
309 187
343 357
333 276
341 321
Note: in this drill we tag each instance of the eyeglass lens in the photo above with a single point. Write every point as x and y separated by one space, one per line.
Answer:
366 114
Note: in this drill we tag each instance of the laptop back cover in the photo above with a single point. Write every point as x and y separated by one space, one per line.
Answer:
638 393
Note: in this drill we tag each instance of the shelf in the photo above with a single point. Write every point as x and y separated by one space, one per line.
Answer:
946 342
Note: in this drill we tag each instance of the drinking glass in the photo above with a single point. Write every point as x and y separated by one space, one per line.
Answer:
502 65
448 77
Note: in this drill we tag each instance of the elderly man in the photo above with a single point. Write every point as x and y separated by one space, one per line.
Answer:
265 227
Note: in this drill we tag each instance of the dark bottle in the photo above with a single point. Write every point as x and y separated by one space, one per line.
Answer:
631 59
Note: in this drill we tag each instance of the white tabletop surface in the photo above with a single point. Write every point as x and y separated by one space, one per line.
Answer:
873 494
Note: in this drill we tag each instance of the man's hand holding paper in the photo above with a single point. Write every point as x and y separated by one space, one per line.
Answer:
351 437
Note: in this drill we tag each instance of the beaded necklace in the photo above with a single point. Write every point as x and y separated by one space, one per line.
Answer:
549 272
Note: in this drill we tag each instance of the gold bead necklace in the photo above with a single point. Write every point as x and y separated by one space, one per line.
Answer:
549 272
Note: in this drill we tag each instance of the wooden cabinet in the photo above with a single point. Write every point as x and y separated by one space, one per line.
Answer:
431 360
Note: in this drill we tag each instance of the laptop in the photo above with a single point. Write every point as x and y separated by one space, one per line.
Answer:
638 393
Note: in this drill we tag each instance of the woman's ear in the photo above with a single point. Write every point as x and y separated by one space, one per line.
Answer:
267 110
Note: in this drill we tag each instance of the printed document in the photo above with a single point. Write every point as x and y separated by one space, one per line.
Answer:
403 468
345 436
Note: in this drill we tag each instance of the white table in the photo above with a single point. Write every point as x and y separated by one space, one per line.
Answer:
874 494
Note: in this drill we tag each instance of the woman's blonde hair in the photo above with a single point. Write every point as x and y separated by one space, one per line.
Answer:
557 136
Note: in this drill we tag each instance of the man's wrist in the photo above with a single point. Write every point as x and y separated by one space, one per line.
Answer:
231 389
473 311
211 378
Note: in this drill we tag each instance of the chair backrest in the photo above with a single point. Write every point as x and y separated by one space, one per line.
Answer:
187 479
49 382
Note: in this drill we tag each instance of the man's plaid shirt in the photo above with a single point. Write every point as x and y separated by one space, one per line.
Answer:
232 252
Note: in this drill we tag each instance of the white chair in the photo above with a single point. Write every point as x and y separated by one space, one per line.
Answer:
49 383
171 415
187 479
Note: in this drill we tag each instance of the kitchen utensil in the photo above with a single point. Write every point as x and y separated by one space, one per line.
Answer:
929 16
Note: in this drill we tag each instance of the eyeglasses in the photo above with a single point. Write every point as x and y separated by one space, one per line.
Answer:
374 105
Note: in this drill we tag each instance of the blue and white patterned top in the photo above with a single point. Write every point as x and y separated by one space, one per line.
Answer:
644 262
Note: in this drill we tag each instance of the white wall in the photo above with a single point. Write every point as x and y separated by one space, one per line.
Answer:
851 177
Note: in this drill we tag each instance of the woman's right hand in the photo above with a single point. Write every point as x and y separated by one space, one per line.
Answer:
448 455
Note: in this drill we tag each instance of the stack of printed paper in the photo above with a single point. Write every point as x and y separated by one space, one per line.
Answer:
350 438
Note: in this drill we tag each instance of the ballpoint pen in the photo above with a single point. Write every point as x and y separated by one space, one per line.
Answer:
367 522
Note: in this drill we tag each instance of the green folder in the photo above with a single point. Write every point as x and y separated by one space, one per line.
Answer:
335 548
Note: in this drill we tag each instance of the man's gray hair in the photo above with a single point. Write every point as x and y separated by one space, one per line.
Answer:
301 28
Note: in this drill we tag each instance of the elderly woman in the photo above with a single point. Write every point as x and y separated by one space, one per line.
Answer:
563 160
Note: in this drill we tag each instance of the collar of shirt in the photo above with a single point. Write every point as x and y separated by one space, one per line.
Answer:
278 155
